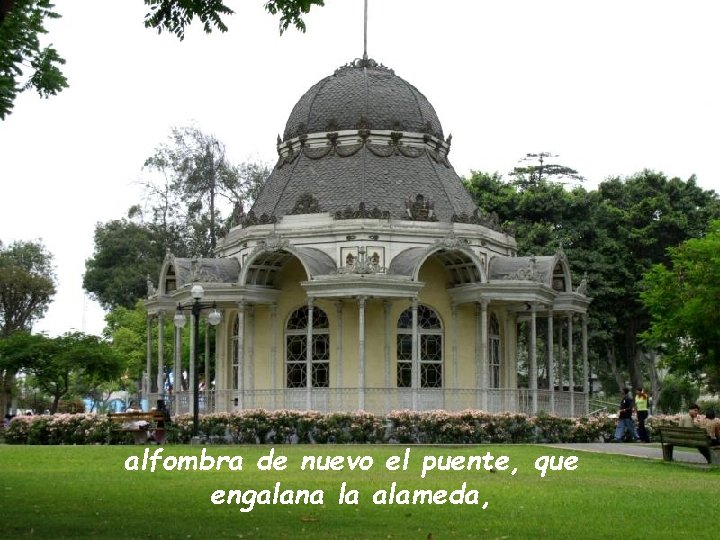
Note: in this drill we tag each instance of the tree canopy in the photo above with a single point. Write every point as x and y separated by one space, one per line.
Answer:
24 63
682 297
55 364
27 285
613 235
192 190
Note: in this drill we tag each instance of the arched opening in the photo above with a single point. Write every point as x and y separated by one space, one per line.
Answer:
429 346
296 349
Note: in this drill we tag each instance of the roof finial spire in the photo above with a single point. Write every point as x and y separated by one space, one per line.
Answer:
365 55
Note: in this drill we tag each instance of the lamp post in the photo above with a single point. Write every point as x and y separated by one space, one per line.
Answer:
196 307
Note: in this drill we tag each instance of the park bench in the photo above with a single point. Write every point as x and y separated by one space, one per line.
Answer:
140 424
671 436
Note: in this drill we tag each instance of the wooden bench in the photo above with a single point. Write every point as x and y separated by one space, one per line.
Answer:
129 422
671 436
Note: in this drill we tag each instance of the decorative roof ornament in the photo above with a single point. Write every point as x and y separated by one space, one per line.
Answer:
362 213
252 219
420 209
306 203
151 290
582 288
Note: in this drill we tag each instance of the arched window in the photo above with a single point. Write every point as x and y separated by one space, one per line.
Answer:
494 351
429 346
296 349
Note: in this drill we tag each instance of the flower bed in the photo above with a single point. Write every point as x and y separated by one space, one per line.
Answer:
258 426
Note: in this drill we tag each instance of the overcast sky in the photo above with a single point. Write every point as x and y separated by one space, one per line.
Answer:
613 87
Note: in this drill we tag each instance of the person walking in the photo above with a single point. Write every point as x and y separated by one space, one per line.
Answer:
625 422
641 409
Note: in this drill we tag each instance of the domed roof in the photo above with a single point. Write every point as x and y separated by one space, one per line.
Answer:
363 94
364 143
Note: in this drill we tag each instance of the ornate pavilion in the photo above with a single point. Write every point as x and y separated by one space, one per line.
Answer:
365 277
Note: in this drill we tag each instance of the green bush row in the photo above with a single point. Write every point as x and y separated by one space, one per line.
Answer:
258 426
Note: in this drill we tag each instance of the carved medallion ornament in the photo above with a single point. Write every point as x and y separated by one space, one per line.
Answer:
421 209
362 264
451 242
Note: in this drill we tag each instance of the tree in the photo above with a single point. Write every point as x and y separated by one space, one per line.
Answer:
55 364
198 174
613 235
190 189
27 285
175 15
125 254
530 174
24 64
683 300
22 22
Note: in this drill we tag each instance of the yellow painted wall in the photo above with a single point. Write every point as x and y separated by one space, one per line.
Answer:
434 294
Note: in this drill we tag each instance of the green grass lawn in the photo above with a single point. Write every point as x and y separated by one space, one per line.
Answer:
85 492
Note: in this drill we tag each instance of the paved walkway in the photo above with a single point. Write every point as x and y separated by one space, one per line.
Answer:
648 451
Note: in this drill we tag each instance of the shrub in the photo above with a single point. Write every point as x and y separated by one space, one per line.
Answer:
258 426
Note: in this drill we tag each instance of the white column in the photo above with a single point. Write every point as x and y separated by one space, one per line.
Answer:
177 370
308 356
241 355
339 345
148 354
191 378
387 310
571 367
273 354
483 367
161 356
415 386
586 365
551 360
207 367
533 359
456 375
361 352
219 404
251 355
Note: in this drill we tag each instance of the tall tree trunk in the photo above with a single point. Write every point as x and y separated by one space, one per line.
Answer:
612 362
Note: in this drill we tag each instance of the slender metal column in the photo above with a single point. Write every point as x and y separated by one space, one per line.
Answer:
571 366
415 371
484 364
586 365
551 360
241 355
177 370
148 359
308 355
161 357
361 351
339 345
273 353
533 359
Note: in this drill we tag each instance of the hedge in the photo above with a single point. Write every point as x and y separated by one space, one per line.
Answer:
258 426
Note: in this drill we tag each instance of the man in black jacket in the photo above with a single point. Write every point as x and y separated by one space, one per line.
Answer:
625 421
